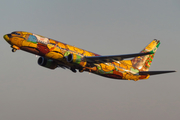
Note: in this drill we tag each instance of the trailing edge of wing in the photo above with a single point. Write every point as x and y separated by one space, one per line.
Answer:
112 58
154 72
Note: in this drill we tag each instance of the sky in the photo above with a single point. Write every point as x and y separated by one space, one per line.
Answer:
106 27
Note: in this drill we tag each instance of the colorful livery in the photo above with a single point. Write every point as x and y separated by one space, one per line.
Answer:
55 54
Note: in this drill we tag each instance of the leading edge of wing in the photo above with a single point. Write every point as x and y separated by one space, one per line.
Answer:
154 72
112 58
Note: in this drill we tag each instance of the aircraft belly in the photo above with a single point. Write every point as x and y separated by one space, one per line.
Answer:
125 76
31 50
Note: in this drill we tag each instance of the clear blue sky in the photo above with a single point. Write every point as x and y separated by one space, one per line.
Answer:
31 92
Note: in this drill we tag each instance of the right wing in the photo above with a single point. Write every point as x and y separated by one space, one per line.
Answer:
112 58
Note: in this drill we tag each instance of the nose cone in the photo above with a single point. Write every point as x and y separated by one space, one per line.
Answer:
6 38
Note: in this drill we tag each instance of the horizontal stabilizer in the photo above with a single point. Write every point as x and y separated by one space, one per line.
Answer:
154 72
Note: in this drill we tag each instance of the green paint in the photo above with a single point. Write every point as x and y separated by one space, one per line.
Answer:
134 70
78 59
32 42
67 53
103 72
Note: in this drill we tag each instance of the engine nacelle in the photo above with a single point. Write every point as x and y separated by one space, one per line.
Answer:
48 63
76 59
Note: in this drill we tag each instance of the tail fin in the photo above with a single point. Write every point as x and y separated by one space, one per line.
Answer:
143 63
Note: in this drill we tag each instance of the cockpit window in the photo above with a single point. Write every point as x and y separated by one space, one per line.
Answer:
15 33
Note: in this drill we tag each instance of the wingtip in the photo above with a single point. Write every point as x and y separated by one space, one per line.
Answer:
172 71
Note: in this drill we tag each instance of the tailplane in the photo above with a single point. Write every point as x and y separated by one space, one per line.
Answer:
143 63
154 72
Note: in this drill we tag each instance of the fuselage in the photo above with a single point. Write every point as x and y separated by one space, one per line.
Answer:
59 53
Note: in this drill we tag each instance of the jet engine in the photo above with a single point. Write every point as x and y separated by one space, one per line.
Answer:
48 63
76 59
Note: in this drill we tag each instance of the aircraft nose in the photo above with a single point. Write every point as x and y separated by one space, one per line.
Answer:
6 37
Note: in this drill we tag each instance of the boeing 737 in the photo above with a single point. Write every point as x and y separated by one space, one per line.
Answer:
54 54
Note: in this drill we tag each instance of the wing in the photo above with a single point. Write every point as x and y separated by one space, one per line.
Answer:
112 58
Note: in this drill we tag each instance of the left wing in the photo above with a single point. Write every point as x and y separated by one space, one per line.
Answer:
113 58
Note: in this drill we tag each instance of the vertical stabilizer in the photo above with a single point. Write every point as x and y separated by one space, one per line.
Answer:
143 63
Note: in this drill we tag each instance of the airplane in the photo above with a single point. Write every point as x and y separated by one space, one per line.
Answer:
54 54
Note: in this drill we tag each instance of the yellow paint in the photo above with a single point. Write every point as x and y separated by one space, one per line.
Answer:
54 55
16 47
147 77
52 41
80 51
86 53
151 45
29 44
53 48
74 58
61 45
26 33
107 68
70 47
83 64
130 76
16 41
126 63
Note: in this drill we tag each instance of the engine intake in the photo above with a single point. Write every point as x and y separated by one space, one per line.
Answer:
48 63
